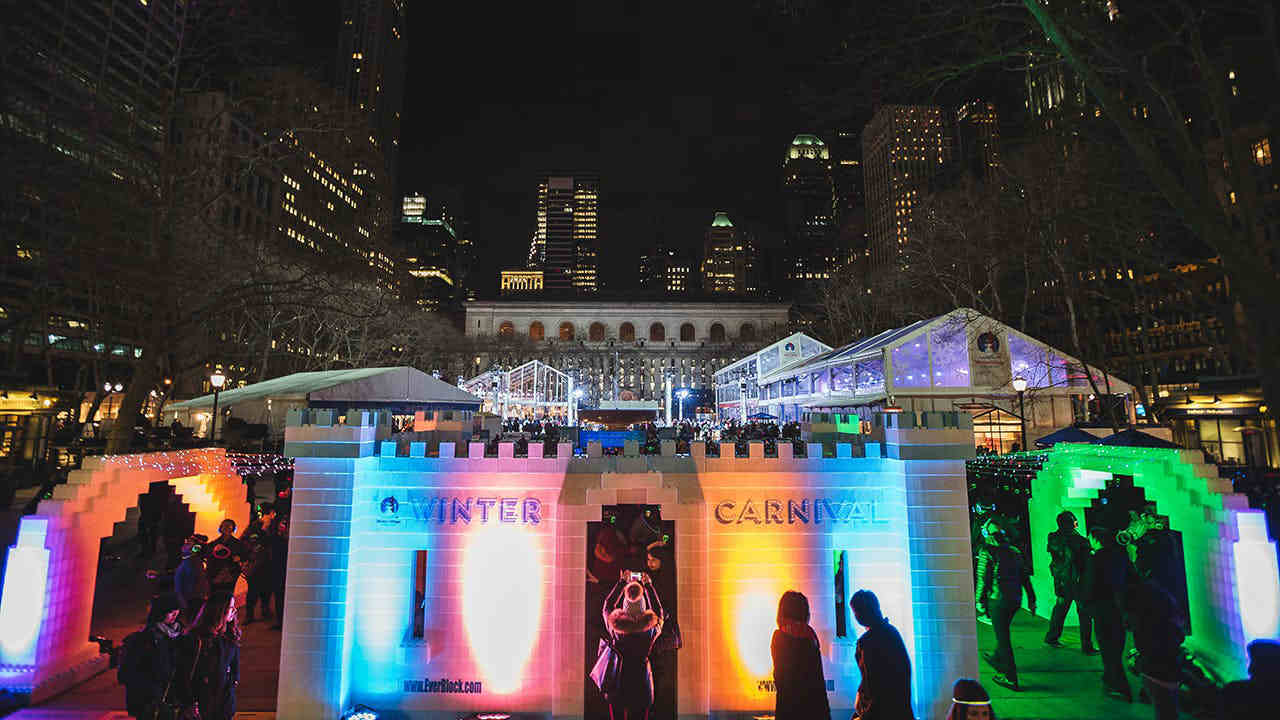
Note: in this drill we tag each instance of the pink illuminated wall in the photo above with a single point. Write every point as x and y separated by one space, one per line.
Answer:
61 541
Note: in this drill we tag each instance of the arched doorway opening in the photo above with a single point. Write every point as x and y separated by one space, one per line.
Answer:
717 333
595 333
747 333
627 332
566 331
59 546
657 332
507 330
687 333
536 331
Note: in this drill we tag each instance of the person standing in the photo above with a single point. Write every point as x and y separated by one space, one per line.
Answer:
223 559
279 539
147 662
1002 577
1158 631
801 688
632 627
208 668
257 545
885 692
1068 553
191 580
1260 694
1107 575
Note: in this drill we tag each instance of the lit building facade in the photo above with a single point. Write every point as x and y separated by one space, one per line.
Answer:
520 281
431 250
640 346
666 270
371 71
977 150
566 240
809 195
904 148
728 259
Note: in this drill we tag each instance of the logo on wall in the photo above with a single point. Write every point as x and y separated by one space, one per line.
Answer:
988 343
451 510
390 506
988 358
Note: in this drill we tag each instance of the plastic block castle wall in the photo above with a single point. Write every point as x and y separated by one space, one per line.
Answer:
363 520
1233 588
56 653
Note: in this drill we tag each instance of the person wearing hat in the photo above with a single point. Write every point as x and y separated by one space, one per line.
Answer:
191 581
1068 553
147 657
970 701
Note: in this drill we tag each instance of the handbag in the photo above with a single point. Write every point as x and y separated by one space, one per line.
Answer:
670 639
605 673
170 710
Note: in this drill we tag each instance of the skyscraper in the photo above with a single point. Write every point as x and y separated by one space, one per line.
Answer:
978 139
728 259
810 209
904 148
566 236
666 269
371 70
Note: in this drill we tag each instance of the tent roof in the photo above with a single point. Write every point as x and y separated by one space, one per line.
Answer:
1070 433
1137 438
361 385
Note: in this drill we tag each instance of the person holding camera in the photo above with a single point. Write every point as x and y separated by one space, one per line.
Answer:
633 617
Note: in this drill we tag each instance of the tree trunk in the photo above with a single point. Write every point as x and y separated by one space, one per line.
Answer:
144 376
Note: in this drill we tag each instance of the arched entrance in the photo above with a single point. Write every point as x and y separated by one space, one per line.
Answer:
47 607
1232 582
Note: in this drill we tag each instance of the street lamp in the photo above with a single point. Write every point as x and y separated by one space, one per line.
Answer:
682 394
1020 385
217 380
576 395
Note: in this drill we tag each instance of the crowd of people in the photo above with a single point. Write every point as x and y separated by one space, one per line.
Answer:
185 661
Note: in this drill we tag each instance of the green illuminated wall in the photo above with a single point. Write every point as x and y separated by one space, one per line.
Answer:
1232 582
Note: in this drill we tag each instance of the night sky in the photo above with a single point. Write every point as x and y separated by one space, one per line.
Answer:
682 108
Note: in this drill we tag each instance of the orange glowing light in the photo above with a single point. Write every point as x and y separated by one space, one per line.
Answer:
502 589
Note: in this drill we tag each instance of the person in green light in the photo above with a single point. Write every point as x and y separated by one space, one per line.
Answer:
1108 575
1069 553
1002 578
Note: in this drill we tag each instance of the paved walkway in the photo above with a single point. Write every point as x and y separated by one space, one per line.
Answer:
1057 684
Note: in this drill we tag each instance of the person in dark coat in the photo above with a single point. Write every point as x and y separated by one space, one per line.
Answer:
885 692
1068 554
1107 575
208 667
1158 631
1259 696
149 655
801 687
258 568
633 616
191 580
279 539
223 559
1002 577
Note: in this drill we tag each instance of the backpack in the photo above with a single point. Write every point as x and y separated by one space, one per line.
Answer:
133 656
1010 569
